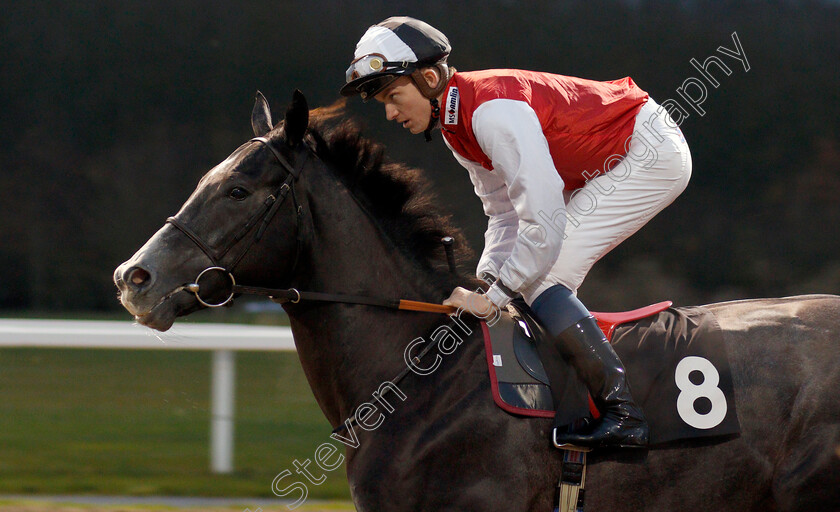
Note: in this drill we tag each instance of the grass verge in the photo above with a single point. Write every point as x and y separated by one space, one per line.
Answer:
136 422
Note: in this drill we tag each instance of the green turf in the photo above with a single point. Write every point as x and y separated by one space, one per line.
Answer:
137 422
36 505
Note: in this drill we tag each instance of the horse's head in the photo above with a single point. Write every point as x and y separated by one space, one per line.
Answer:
247 194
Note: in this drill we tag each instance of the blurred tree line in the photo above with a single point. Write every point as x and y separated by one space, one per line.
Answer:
111 111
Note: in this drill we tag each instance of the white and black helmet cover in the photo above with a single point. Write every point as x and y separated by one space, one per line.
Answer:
390 49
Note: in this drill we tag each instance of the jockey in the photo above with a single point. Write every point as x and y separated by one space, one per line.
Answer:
566 169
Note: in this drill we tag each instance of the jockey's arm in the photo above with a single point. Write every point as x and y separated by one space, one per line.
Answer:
502 222
510 134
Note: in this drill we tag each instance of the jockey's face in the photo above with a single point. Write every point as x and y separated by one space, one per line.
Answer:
405 105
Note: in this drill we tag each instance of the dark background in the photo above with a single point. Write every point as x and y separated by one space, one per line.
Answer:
111 111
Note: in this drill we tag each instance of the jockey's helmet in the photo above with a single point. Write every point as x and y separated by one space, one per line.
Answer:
396 47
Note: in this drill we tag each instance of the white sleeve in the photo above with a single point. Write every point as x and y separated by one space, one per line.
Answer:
502 223
510 134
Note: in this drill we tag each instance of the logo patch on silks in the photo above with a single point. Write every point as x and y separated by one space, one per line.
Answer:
679 373
451 106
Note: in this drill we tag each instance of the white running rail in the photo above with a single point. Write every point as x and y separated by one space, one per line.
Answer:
222 339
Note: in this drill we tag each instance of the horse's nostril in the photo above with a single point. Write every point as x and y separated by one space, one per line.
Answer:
138 277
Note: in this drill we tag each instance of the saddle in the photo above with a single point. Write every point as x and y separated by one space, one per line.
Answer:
660 346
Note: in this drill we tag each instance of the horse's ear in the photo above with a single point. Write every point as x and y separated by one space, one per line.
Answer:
261 116
297 119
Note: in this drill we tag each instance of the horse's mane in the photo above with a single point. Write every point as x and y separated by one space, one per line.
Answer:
398 197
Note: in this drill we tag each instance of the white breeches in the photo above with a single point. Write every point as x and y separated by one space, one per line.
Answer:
613 205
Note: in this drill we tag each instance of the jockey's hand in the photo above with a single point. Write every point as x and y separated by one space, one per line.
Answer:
474 303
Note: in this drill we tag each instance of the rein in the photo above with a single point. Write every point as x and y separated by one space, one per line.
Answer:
264 216
293 295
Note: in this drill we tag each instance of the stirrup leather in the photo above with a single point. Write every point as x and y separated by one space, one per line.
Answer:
570 488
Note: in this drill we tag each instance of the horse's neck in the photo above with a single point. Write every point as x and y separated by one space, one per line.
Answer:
348 351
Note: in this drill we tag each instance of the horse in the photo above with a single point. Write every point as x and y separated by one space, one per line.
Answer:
313 205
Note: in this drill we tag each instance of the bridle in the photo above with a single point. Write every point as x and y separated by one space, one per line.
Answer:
269 208
263 217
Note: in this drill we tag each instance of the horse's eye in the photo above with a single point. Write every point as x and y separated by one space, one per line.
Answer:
238 193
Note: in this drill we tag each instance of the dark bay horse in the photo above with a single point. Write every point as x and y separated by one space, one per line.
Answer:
343 221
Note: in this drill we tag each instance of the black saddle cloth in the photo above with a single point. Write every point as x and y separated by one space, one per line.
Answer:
675 360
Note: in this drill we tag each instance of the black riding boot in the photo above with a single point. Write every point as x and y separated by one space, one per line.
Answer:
578 338
622 422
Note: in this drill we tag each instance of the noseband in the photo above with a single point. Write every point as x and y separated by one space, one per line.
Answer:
264 215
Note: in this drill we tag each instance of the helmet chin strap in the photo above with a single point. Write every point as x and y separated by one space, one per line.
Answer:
432 93
433 119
